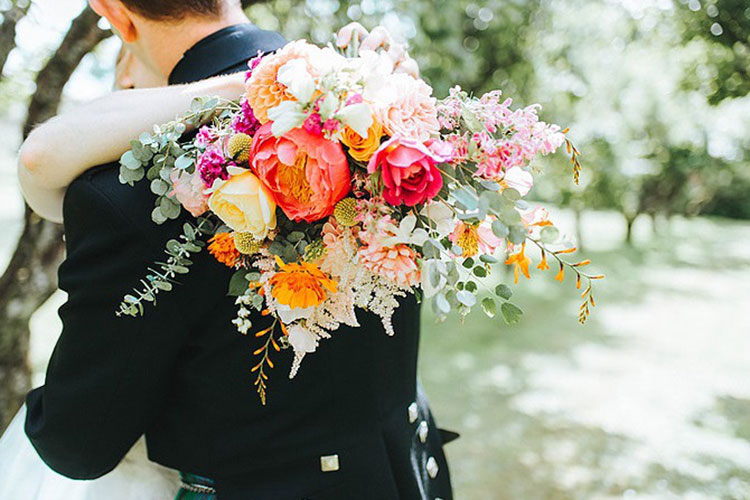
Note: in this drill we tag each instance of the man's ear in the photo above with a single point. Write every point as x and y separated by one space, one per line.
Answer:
118 16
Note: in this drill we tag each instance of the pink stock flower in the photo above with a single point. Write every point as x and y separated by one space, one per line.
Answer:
307 174
212 165
189 191
205 136
409 171
245 121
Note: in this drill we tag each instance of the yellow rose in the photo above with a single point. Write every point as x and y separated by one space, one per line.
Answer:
245 205
362 149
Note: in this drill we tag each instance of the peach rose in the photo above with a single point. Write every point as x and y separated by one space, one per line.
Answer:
306 173
244 204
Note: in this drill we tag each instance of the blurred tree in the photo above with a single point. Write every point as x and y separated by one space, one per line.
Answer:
31 275
722 27
16 11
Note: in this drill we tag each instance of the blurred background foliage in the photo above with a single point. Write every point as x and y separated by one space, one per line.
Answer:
648 401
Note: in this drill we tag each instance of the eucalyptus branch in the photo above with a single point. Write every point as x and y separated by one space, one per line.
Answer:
178 263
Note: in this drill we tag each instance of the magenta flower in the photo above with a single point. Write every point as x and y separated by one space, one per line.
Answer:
408 168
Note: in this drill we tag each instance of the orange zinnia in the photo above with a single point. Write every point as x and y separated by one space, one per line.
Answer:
300 285
223 249
521 261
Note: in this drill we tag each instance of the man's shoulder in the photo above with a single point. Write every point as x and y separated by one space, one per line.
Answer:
99 194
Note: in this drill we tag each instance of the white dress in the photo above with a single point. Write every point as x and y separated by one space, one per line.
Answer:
24 476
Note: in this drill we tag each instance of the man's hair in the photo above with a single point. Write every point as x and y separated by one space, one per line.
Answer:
178 9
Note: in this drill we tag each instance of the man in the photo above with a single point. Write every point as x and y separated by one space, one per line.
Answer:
351 425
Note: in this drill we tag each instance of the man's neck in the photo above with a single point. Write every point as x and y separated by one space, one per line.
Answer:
166 43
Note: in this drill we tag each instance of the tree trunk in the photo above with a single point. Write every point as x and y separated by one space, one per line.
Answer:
30 277
15 13
629 220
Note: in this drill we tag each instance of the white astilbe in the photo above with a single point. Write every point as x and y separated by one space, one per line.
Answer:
377 295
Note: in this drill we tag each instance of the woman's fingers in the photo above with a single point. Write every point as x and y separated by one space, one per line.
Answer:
344 37
379 38
408 66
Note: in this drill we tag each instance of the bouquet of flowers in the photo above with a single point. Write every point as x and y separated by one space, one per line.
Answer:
336 183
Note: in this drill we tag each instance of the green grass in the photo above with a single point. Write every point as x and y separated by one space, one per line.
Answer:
477 374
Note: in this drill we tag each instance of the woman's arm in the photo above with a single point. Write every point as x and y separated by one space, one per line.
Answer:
61 149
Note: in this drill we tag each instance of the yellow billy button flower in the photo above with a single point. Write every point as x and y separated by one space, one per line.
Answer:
239 147
300 285
246 243
345 212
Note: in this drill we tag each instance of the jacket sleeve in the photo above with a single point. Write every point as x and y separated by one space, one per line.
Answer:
108 375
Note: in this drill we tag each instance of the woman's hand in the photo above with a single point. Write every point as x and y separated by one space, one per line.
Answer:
354 34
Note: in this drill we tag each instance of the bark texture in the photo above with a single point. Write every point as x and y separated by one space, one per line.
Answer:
31 276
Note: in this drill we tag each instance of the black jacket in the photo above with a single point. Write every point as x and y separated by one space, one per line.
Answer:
181 374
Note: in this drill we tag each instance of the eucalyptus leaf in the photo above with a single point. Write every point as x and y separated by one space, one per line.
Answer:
511 313
480 272
158 217
518 234
238 284
499 229
489 306
184 161
128 160
488 259
159 187
503 291
550 234
466 298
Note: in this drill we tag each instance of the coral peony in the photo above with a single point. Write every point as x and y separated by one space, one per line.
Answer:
409 171
306 173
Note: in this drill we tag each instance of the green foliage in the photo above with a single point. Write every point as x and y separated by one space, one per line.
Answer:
154 156
722 28
178 263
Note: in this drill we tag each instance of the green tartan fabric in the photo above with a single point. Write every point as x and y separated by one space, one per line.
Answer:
191 483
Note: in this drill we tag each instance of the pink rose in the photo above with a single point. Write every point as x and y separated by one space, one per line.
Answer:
188 189
409 171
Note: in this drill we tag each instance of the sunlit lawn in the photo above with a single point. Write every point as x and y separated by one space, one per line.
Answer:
651 399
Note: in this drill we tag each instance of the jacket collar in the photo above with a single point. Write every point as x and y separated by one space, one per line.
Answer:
223 52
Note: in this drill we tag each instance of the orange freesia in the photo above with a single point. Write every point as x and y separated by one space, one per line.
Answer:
222 248
300 285
560 275
521 261
543 266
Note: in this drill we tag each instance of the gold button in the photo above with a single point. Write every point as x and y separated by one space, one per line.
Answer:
329 463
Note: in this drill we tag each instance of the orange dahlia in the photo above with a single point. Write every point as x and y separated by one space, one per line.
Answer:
223 249
263 89
300 285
